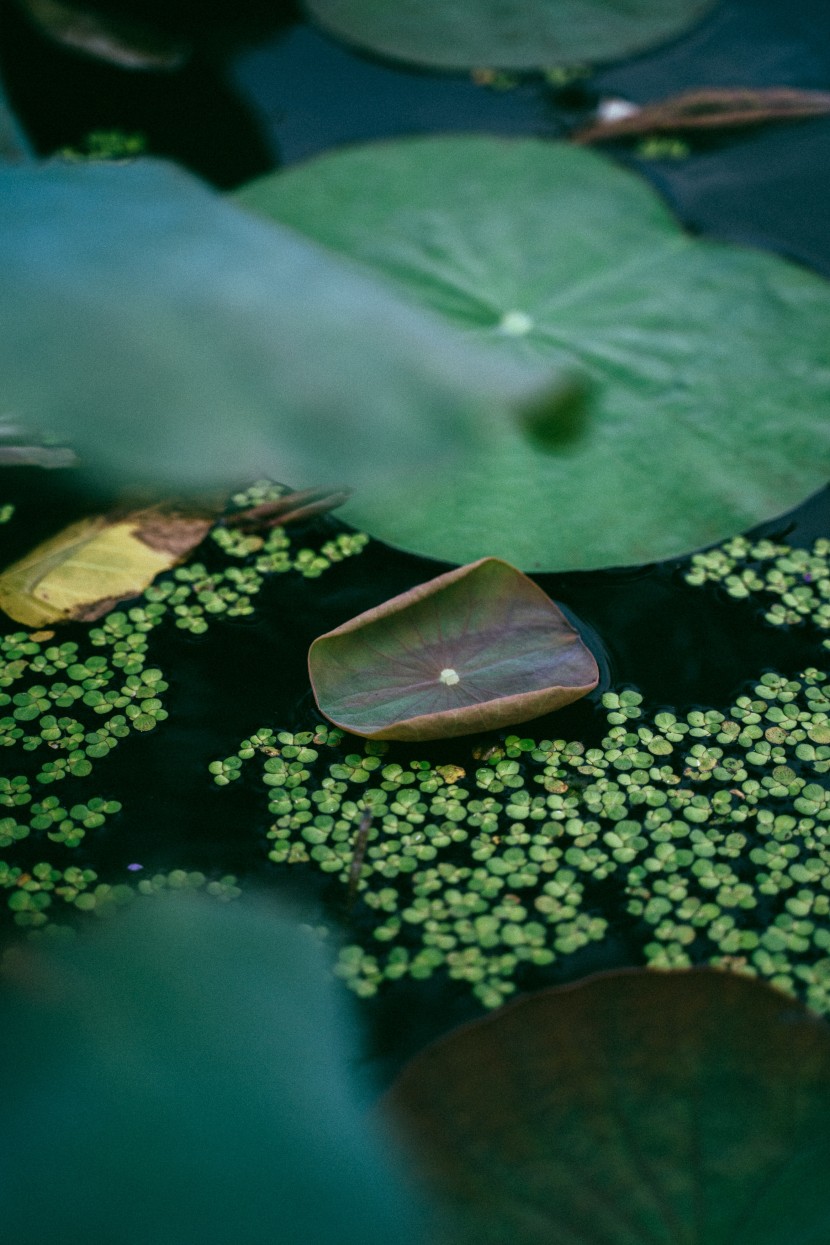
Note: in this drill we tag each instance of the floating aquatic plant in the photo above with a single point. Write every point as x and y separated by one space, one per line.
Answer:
474 649
43 899
698 838
708 360
795 581
65 705
519 34
107 145
633 1106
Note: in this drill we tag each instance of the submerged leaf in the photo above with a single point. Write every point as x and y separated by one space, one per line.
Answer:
84 570
636 1106
475 649
508 34
710 361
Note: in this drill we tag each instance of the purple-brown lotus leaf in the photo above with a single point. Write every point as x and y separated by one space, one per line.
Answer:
635 1108
475 649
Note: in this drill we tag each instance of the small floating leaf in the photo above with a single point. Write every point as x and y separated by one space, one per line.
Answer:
80 573
636 1106
510 34
474 649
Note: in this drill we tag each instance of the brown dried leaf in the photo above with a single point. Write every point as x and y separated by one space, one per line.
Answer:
122 41
474 649
710 109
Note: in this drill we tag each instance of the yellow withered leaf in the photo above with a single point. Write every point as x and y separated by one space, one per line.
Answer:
87 568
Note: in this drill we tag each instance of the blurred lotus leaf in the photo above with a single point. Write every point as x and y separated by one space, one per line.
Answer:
186 1075
506 34
175 340
474 649
634 1106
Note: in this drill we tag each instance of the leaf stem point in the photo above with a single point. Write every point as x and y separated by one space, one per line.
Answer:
515 324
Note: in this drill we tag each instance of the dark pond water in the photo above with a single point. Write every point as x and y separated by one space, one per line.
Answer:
286 93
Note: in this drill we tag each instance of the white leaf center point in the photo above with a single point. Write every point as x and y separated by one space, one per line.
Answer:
448 677
515 324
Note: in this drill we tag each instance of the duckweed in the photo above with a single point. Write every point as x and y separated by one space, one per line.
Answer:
793 584
712 829
44 899
70 703
663 147
693 838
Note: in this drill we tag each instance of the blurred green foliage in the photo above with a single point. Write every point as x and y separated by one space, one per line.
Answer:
186 1075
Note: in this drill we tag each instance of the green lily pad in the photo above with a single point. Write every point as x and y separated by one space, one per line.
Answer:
635 1107
187 1075
710 360
474 649
175 339
516 34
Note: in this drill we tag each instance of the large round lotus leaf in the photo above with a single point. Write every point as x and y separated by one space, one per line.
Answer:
511 34
175 339
711 362
637 1108
472 650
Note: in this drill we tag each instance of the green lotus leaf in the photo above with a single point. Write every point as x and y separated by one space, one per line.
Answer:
174 339
710 360
474 649
187 1075
508 34
634 1107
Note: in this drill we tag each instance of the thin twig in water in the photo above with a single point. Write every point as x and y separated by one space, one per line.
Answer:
361 838
709 108
290 508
